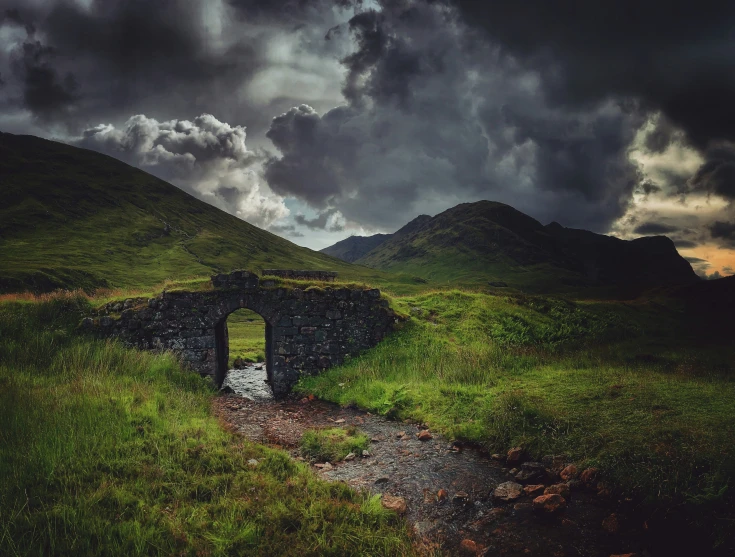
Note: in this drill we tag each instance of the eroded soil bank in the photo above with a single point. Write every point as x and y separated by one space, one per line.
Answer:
448 489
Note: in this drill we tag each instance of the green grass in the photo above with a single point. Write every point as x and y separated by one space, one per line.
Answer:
333 444
246 331
621 386
110 451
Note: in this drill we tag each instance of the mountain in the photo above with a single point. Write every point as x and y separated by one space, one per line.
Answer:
353 248
72 218
488 241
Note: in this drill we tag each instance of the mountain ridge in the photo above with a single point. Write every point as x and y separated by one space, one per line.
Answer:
490 241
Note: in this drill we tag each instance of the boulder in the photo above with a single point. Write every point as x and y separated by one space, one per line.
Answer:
611 524
468 547
555 463
534 490
558 489
424 435
588 475
393 503
508 491
515 455
531 472
569 473
549 504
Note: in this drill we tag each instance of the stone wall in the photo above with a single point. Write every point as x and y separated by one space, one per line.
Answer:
307 330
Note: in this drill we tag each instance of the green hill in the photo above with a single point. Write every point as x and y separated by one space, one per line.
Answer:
353 248
474 243
76 218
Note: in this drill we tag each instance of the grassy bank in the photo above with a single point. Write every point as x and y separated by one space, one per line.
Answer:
110 451
625 387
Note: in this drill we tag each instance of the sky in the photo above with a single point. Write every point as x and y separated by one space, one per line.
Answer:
319 119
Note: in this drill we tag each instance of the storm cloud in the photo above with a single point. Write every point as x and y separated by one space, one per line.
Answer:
435 113
654 228
370 113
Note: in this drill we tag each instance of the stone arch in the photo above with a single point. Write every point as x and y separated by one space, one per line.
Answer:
222 348
309 328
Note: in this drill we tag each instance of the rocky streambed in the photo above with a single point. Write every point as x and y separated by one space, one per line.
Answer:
456 498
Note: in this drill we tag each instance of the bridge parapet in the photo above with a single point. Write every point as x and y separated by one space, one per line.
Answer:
323 276
237 279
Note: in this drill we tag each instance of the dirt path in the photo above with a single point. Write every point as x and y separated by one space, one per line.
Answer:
401 465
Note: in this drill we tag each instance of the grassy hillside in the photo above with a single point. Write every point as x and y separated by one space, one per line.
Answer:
110 451
476 243
75 218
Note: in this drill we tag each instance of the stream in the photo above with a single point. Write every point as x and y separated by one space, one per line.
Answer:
448 488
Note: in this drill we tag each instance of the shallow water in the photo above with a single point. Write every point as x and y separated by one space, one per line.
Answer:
251 382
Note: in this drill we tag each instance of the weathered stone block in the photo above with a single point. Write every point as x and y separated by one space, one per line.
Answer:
193 355
201 342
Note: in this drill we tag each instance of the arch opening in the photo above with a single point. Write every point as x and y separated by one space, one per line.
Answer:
244 354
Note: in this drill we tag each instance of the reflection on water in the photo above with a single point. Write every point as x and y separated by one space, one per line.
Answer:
249 382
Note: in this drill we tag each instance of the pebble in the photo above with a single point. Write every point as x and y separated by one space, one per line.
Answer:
424 435
468 547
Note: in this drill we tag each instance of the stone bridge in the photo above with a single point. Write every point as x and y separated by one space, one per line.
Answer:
307 329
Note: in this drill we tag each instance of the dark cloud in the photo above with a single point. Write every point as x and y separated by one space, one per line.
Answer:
695 260
172 57
323 221
654 228
648 187
205 157
723 231
45 92
685 244
717 175
676 59
436 116
285 229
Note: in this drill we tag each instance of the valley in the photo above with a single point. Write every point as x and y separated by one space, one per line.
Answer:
509 335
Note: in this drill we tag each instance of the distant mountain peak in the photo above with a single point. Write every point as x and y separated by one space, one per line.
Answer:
489 241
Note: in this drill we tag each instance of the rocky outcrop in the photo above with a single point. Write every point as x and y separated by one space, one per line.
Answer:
307 330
